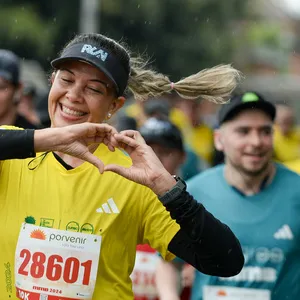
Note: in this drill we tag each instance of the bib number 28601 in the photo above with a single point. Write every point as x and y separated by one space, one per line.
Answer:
54 267
65 265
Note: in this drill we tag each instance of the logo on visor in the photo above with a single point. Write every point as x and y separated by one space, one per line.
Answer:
94 51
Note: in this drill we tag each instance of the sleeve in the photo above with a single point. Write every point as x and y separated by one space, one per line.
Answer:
158 228
203 241
16 143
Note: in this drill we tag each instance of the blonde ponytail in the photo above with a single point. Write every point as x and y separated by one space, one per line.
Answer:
214 84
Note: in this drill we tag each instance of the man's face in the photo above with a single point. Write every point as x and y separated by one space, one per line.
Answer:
7 92
247 141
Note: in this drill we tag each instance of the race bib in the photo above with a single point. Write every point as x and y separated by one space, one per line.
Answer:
233 293
53 264
143 275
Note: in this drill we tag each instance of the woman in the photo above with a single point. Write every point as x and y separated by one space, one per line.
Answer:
70 232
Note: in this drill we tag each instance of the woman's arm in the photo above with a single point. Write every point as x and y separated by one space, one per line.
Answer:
16 144
203 241
73 140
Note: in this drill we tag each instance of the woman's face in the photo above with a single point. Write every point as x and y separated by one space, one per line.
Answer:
81 93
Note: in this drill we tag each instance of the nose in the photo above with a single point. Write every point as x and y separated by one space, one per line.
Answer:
256 139
75 93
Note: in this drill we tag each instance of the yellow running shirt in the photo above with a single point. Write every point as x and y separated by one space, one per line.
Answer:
80 200
202 142
286 148
293 165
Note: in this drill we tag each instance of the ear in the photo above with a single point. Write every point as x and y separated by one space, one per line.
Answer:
218 140
116 104
52 77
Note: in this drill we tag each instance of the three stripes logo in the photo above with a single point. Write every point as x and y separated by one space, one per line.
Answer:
109 207
284 233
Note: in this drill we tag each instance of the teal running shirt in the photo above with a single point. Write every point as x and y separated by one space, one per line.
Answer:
268 227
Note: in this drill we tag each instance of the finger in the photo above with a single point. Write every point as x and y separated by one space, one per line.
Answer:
89 157
93 140
121 138
117 169
107 142
134 134
128 132
105 128
113 141
111 148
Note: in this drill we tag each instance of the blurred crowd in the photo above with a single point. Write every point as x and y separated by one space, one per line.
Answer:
23 106
181 132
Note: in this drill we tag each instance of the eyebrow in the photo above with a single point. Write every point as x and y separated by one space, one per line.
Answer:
107 85
259 128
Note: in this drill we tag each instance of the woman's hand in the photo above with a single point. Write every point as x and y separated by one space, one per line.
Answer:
75 139
146 168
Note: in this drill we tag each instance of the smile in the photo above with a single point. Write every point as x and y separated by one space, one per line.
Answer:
71 112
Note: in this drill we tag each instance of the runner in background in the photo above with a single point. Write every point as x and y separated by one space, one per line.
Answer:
166 141
70 232
199 135
193 164
258 199
161 108
26 106
136 109
286 135
11 91
293 165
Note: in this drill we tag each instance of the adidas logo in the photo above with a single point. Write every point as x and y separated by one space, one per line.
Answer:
109 207
284 233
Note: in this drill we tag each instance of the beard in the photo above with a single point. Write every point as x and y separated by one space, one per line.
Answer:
248 172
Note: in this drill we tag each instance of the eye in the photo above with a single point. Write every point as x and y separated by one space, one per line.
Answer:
66 80
267 131
98 91
242 131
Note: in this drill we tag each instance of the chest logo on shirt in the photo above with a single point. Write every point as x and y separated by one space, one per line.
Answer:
284 233
51 223
108 207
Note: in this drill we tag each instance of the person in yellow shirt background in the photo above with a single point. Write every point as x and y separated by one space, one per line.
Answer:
193 118
161 107
136 110
200 135
286 134
293 165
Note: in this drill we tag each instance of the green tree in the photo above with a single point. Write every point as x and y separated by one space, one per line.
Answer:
181 36
37 29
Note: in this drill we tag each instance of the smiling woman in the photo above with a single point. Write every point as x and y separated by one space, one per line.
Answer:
81 93
134 200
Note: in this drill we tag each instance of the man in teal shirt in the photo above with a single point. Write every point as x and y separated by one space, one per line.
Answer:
258 199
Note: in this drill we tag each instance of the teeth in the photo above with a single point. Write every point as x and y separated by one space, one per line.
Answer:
72 112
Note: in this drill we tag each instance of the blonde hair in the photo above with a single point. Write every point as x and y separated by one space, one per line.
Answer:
214 84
